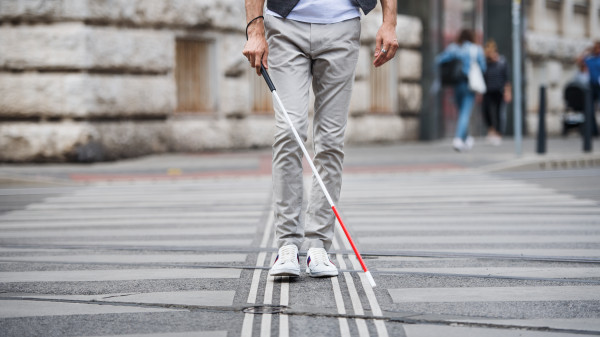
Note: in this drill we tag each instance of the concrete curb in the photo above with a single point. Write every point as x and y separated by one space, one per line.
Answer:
542 163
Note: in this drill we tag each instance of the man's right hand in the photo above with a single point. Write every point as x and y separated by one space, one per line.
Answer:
256 49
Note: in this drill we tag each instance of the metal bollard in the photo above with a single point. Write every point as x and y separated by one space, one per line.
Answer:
541 139
588 120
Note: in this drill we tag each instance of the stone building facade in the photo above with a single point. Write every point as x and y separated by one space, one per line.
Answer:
93 80
557 32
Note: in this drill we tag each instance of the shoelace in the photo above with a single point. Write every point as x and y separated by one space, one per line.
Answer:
318 256
288 253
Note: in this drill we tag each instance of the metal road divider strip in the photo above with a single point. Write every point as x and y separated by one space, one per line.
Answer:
339 303
284 301
260 262
361 324
265 324
373 303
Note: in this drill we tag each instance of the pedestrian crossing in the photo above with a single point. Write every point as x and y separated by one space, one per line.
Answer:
453 253
474 244
136 249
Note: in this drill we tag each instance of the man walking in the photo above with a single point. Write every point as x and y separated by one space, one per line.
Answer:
311 42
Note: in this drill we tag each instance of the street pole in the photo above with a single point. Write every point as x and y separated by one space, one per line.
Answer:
588 120
517 81
541 140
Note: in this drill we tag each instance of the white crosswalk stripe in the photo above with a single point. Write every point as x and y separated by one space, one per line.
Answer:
25 308
495 294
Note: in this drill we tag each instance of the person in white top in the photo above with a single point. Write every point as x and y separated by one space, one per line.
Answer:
304 43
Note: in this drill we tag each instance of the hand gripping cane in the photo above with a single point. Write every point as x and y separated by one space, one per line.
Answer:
265 75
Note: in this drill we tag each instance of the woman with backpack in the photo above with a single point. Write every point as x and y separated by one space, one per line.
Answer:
472 68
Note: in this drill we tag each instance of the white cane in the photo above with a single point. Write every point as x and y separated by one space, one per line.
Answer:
316 173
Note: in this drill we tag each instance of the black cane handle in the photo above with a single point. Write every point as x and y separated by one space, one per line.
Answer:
267 78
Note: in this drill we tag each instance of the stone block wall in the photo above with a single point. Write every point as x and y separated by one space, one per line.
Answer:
92 80
557 33
401 123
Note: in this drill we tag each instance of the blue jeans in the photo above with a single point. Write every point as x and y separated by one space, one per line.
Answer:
595 87
465 98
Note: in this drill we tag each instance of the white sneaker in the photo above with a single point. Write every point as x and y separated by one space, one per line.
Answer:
287 262
469 142
494 140
318 263
459 145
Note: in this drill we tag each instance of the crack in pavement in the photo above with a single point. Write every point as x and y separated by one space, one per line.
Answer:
367 254
289 311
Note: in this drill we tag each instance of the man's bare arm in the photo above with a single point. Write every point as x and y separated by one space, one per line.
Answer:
386 43
256 49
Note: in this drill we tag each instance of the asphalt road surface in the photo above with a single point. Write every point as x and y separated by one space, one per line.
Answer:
455 251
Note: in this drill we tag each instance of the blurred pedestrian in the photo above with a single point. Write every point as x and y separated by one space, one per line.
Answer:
498 92
472 58
592 60
311 41
582 74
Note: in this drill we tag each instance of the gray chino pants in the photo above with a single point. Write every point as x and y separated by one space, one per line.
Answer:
326 55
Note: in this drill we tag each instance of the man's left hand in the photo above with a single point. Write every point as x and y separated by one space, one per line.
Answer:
386 44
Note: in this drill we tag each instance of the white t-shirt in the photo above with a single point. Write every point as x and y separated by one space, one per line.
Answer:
322 11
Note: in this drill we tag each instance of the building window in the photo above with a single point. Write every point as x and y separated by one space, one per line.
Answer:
192 76
553 4
381 83
582 6
468 14
262 101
